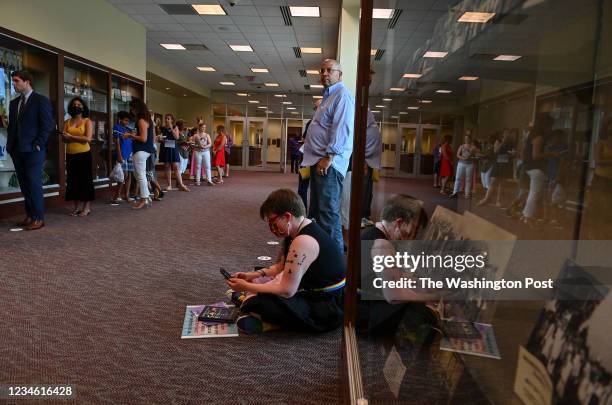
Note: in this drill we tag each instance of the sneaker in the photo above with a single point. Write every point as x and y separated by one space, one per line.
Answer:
249 324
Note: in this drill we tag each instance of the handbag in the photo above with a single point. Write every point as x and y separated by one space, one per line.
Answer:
117 173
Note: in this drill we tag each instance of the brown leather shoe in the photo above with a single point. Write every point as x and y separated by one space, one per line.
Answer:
27 221
34 225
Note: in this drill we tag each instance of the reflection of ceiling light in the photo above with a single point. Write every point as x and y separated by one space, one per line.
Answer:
468 78
443 91
280 95
312 72
184 95
287 102
425 101
254 101
413 108
242 94
209 9
173 46
412 75
375 112
167 88
394 117
304 11
241 48
373 52
290 108
382 13
259 70
387 99
311 50
262 107
271 84
316 86
315 97
435 54
397 89
206 69
380 106
473 17
507 58
227 83
403 113
294 112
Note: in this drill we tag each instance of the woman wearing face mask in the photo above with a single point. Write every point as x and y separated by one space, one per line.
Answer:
307 284
78 132
200 161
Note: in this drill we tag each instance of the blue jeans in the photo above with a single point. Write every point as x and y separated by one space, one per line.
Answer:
325 195
29 166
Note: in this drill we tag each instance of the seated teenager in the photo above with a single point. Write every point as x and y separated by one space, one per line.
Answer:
381 310
306 287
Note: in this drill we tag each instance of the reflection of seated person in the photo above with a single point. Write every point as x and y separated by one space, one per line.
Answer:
306 286
381 309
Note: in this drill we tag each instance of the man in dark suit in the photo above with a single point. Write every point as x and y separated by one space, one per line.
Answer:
30 123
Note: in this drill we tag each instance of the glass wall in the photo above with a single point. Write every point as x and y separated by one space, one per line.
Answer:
495 117
15 55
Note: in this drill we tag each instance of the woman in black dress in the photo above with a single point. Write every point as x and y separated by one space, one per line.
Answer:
502 166
169 153
306 289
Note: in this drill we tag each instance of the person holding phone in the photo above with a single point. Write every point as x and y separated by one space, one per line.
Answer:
303 290
124 156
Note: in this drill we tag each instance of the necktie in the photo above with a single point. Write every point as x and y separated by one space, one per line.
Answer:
22 101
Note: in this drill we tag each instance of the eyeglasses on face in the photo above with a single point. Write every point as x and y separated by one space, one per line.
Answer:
329 70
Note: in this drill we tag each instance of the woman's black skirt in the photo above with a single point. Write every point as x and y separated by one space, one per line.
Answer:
79 177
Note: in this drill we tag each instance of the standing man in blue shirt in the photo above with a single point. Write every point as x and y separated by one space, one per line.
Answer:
30 124
328 148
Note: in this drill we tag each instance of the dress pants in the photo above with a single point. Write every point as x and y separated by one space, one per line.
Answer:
28 166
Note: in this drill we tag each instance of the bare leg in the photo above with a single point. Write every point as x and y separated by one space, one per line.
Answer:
179 177
168 175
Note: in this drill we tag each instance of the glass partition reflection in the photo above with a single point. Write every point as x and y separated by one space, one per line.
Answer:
496 121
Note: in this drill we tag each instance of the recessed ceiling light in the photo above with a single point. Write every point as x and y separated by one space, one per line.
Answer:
382 13
241 48
263 107
311 50
312 72
259 70
507 58
271 84
412 75
294 112
280 95
425 101
287 102
304 11
474 17
375 111
242 94
403 113
209 9
444 91
167 88
397 89
380 106
435 54
413 108
394 117
254 101
469 78
387 99
373 52
227 83
184 95
290 108
316 86
206 69
316 97
173 46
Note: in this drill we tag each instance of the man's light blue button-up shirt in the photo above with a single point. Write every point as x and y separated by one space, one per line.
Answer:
331 129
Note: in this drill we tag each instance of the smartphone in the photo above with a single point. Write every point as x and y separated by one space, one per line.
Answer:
225 273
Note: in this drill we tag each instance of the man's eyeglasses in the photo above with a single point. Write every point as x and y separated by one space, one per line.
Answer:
328 70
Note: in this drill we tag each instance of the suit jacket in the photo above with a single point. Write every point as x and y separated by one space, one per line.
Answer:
32 127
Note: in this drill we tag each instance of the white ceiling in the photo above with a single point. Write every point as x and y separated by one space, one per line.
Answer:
258 23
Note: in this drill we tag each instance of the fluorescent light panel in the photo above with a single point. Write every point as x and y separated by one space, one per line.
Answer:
387 99
227 83
475 17
382 13
425 101
312 72
397 89
209 9
304 11
311 50
435 54
468 78
254 101
206 69
263 107
412 75
317 97
173 46
242 94
507 58
290 108
443 91
316 86
413 108
287 102
280 95
259 70
373 52
380 106
241 48
271 84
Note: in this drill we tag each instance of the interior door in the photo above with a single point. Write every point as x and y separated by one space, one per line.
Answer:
236 129
255 145
407 144
428 137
